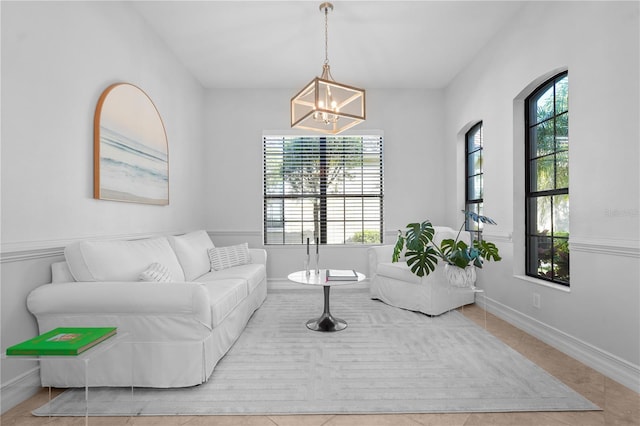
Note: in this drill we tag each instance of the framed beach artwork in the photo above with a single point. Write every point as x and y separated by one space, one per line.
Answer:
131 155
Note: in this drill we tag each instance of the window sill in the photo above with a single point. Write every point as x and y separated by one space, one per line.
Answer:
544 283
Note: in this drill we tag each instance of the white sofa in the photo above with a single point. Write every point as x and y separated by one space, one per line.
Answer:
177 330
396 285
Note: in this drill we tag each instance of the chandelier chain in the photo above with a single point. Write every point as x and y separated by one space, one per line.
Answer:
326 35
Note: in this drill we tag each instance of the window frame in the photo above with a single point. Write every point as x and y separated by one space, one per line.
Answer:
530 231
323 155
475 228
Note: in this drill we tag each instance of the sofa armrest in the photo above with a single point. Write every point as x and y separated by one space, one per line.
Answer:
378 254
258 256
140 298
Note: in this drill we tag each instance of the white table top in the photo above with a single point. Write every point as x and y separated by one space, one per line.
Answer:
320 279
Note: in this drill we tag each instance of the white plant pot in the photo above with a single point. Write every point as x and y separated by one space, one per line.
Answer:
459 277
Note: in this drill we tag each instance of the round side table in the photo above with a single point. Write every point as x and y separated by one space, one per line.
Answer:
326 322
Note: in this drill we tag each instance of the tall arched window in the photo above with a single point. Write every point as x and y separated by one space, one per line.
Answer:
547 181
473 171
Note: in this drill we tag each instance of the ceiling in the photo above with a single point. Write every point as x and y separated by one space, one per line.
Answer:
280 44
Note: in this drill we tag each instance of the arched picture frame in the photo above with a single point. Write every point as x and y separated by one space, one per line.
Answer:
131 153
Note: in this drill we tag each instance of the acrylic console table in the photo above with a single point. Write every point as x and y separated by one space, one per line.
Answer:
84 359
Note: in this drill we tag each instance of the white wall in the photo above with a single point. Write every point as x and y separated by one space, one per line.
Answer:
412 122
598 320
57 58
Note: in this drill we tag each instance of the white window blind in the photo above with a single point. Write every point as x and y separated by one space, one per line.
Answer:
329 188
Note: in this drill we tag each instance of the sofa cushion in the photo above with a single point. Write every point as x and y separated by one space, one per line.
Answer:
397 270
252 274
156 272
120 260
224 296
227 257
191 250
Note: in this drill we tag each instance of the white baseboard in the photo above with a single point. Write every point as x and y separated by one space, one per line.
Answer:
608 364
20 389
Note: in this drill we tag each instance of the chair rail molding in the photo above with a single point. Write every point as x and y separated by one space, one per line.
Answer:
497 236
14 254
235 233
613 247
26 250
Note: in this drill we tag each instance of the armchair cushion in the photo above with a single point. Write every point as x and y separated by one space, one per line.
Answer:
399 271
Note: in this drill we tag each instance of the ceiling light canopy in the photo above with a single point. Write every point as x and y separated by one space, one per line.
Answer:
324 105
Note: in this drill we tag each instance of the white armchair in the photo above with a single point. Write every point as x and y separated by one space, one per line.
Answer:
395 284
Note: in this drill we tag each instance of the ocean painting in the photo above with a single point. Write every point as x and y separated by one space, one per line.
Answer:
132 161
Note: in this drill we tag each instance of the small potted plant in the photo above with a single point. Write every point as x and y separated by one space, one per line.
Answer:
422 253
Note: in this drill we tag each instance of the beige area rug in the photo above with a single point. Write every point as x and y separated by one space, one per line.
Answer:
387 360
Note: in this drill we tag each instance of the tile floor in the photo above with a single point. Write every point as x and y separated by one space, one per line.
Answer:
620 405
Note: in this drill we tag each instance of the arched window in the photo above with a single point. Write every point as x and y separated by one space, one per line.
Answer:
547 181
473 173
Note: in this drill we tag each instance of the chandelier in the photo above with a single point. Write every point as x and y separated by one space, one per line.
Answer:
325 105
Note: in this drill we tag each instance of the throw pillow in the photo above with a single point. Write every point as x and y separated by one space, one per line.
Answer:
226 257
156 272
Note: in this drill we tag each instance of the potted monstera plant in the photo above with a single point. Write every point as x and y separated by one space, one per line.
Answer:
461 259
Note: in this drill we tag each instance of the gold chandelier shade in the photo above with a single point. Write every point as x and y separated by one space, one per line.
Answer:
327 106
324 105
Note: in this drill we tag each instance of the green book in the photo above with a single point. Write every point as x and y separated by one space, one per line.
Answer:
63 341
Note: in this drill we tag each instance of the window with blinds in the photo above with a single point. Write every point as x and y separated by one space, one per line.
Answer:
328 189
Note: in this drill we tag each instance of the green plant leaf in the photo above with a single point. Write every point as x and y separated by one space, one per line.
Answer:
488 250
398 247
419 235
459 258
447 246
479 218
423 262
455 252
